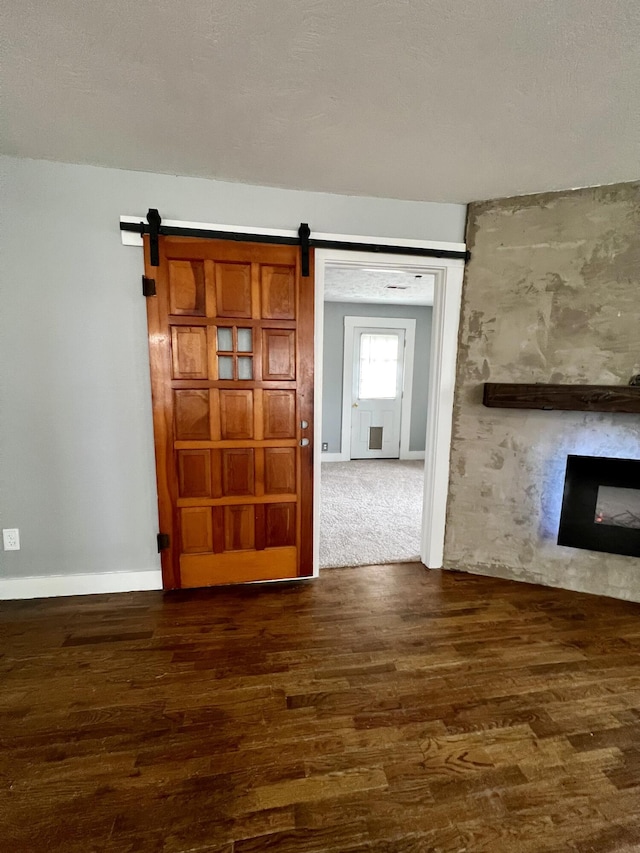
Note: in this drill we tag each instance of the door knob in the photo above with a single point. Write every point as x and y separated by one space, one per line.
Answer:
355 406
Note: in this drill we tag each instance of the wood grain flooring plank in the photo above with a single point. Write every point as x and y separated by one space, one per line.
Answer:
378 710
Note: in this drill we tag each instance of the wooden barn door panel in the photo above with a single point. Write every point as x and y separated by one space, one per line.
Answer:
231 350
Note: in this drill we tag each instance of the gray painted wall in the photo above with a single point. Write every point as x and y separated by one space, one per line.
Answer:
550 295
77 470
334 314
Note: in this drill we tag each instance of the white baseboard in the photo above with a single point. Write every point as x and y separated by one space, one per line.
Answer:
59 585
413 454
332 457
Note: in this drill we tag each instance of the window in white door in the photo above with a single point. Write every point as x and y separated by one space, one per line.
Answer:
378 367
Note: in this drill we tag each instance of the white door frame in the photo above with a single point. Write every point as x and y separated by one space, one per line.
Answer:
441 383
351 323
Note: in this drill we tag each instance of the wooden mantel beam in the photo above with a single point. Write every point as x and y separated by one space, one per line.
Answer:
575 398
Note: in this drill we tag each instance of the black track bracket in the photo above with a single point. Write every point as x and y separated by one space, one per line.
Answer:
304 232
155 220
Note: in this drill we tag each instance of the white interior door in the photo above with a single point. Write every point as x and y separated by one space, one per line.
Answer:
378 372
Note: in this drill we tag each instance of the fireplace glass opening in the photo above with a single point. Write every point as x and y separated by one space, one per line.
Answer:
618 507
601 505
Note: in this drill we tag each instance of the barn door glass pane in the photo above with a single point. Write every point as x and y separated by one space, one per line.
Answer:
378 367
245 368
244 340
225 367
225 339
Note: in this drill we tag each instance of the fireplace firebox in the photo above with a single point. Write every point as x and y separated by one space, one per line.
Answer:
601 505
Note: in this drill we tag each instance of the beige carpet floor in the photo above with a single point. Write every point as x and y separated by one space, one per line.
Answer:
370 512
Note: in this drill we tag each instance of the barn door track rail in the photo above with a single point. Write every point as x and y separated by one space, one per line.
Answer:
155 229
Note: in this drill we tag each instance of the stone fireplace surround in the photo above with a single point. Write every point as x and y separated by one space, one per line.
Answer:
550 296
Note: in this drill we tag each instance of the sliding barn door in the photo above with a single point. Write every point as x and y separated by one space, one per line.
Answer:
231 349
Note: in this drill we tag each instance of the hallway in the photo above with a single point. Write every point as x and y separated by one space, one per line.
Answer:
370 512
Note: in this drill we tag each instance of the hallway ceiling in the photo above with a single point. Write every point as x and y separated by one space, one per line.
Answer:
343 284
416 99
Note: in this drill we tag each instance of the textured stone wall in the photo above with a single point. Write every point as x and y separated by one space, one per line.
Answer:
551 294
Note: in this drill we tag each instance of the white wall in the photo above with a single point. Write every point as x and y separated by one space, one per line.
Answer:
77 469
332 367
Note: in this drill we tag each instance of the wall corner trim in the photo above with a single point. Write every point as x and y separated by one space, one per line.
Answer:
53 586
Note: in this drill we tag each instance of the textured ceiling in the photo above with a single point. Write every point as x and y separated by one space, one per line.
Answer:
362 285
441 100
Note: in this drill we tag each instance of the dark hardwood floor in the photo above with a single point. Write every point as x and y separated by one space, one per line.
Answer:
385 709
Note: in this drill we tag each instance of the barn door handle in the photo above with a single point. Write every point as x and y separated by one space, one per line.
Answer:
304 442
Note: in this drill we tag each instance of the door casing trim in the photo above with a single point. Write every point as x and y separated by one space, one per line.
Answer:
447 301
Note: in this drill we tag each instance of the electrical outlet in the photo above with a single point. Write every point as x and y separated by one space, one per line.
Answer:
325 445
11 539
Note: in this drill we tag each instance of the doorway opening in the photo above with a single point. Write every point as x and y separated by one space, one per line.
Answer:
376 489
386 340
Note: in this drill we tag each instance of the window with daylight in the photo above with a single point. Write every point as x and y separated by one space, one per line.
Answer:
378 367
232 340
